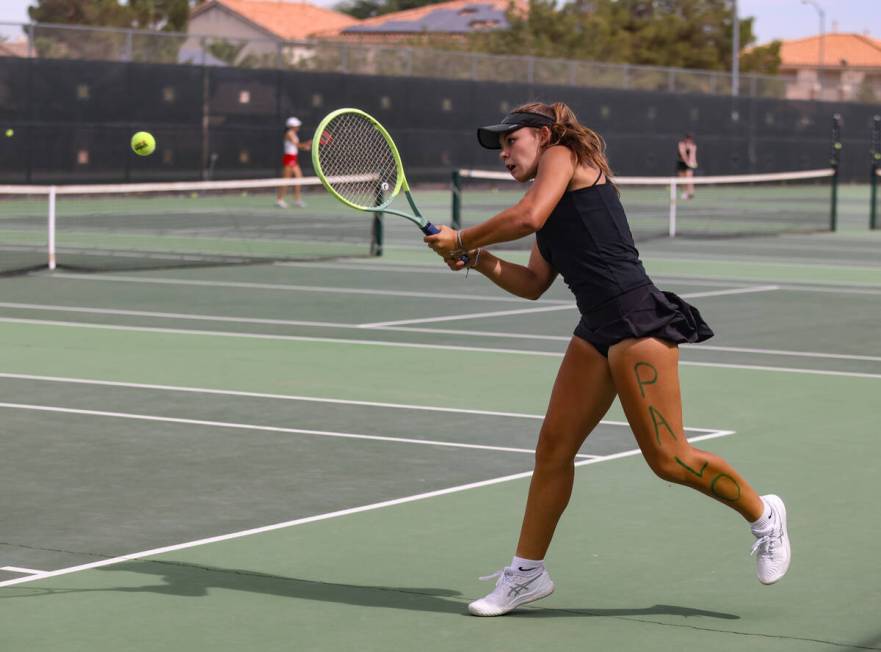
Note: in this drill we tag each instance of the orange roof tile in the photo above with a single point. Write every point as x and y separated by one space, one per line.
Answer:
14 48
857 50
288 20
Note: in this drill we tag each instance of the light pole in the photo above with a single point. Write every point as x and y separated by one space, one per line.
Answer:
735 52
822 15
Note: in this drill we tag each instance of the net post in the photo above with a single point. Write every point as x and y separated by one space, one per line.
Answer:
873 172
51 228
456 214
835 163
376 234
672 225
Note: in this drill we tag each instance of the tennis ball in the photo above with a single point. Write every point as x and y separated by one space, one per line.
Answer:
384 186
143 143
10 133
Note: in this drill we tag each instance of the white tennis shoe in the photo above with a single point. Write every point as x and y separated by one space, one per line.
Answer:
281 203
772 546
512 590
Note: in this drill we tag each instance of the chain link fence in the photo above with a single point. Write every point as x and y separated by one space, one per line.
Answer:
108 44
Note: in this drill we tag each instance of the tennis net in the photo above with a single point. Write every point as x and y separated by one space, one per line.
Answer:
721 206
875 199
156 225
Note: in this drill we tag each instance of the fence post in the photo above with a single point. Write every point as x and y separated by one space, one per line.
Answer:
456 210
835 163
51 228
873 170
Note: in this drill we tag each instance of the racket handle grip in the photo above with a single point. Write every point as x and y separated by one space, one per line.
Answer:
431 229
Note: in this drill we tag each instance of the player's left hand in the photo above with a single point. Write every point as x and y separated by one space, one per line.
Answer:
444 243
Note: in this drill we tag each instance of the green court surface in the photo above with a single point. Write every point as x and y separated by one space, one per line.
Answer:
325 456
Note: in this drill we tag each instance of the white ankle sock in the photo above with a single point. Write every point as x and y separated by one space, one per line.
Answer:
764 522
521 565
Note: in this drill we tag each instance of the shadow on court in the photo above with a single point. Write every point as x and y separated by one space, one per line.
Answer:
192 580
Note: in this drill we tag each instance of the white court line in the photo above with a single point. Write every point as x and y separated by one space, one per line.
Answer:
249 426
722 293
763 263
24 571
320 517
501 313
292 288
435 331
408 345
289 397
477 315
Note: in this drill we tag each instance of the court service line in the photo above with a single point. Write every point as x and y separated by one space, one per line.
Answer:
502 313
475 315
249 426
320 517
290 288
434 331
308 399
24 571
408 345
672 278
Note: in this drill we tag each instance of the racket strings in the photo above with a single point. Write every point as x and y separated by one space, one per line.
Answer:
357 161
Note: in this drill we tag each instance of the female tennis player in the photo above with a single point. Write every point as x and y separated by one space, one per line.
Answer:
686 163
625 345
290 163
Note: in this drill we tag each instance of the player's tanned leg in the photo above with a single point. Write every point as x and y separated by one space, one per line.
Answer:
581 396
646 375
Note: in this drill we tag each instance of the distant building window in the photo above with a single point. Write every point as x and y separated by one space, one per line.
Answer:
168 94
244 97
82 157
82 91
467 10
483 24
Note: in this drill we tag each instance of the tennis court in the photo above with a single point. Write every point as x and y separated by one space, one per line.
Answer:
325 455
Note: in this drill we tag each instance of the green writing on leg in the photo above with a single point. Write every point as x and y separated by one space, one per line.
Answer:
658 421
650 379
699 474
728 490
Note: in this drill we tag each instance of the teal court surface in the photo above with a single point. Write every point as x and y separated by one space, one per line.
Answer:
325 456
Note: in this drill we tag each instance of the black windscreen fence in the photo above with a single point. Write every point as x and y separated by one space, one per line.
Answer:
72 120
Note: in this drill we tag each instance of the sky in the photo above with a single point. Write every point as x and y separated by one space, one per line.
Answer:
775 19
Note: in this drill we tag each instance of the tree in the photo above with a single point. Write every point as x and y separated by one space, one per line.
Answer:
370 8
150 15
674 33
157 15
762 59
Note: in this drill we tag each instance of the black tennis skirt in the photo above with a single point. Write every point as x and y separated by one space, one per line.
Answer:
645 311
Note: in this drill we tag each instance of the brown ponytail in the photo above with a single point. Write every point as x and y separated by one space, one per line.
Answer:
587 145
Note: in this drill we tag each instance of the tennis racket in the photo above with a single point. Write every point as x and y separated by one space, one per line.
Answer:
357 161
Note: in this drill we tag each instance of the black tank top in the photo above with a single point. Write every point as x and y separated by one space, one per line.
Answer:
588 241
